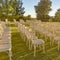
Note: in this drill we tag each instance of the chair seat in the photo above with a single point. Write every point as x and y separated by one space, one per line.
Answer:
5 41
4 47
57 38
44 32
38 41
50 35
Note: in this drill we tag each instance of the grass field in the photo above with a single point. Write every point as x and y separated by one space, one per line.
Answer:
21 52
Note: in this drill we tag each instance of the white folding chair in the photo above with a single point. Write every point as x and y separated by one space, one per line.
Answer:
5 43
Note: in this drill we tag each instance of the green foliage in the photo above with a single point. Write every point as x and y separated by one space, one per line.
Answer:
28 17
57 16
11 9
20 9
42 10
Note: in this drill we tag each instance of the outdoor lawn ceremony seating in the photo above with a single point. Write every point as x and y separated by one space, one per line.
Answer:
32 39
48 30
5 41
29 30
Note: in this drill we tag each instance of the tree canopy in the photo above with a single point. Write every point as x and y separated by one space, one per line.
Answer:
11 8
42 10
57 16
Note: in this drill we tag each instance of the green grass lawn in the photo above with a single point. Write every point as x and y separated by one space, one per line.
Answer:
21 52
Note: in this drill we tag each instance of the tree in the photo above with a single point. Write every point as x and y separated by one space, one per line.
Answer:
11 8
57 16
29 17
19 8
42 10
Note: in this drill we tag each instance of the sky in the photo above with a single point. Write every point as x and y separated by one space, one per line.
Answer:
29 7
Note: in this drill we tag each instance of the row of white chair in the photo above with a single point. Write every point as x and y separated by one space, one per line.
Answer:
5 40
31 37
48 29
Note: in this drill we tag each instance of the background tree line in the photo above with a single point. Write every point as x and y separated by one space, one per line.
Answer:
42 11
10 9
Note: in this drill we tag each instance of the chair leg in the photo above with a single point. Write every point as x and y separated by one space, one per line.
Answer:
24 38
34 50
26 42
50 40
43 48
29 45
45 38
58 45
10 54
